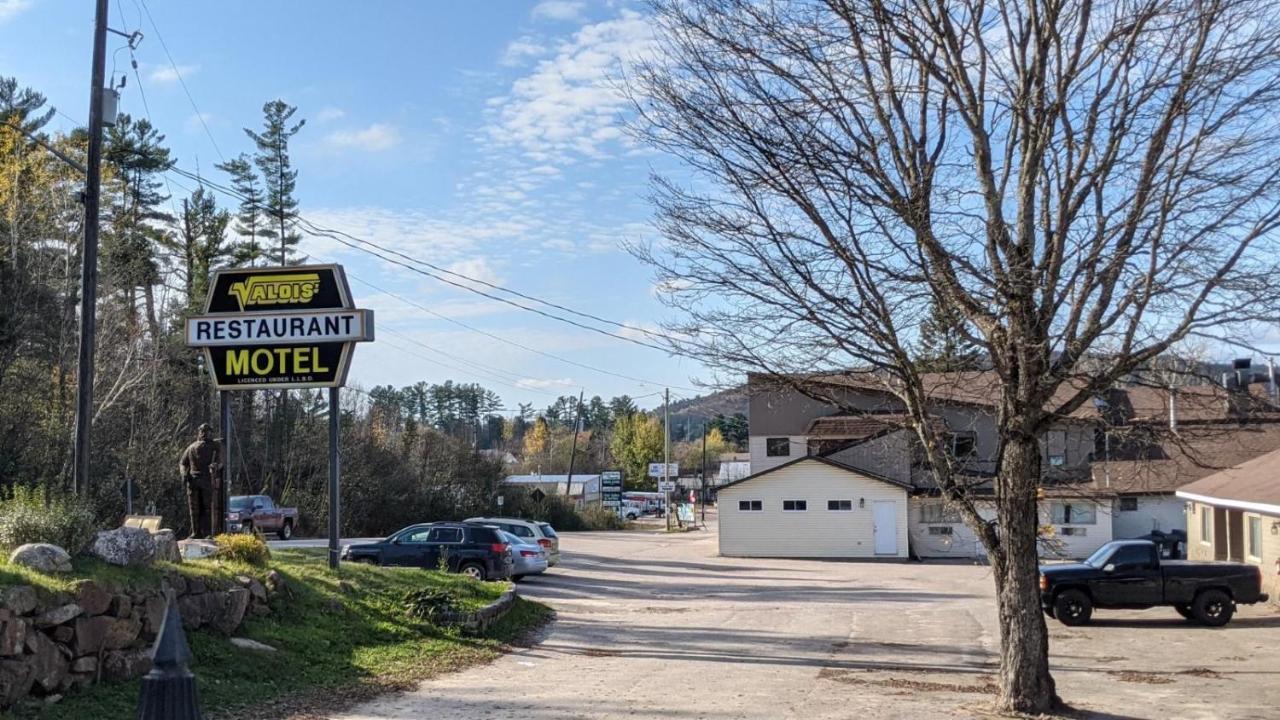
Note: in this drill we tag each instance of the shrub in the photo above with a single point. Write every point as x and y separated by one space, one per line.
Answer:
250 549
597 517
66 521
433 605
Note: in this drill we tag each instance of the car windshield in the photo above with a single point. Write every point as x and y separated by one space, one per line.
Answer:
546 530
236 504
1100 556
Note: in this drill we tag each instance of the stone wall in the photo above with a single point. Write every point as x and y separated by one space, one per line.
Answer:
50 643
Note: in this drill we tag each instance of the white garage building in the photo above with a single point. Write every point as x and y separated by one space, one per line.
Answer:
813 507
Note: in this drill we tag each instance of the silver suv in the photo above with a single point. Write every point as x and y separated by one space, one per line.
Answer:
531 530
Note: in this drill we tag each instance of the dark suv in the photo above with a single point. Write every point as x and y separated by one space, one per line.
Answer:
466 548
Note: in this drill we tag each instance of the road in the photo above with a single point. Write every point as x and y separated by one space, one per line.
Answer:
652 625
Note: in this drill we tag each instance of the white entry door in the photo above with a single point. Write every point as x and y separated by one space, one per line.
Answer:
885 515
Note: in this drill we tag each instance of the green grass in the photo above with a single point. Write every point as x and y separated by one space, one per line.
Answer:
325 656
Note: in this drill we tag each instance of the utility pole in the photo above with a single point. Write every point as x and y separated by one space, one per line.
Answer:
666 450
89 269
573 451
703 489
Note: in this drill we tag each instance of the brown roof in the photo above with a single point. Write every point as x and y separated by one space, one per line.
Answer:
855 427
1254 481
1130 403
1168 462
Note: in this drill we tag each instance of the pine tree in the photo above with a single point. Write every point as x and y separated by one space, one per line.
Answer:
278 176
250 217
945 344
201 242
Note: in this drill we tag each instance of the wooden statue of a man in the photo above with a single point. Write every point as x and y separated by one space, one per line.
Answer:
201 470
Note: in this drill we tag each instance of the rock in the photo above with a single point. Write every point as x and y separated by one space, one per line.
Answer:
80 680
48 665
177 583
196 586
92 598
237 601
85 664
196 549
53 699
121 606
125 665
258 592
16 679
258 610
64 634
200 610
124 546
13 633
166 546
21 599
247 644
276 582
58 615
105 633
153 615
91 635
43 557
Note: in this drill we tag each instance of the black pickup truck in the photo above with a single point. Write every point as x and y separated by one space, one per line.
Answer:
1129 574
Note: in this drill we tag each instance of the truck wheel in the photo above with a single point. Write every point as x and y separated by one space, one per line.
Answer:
472 570
1072 607
286 530
1184 611
1213 608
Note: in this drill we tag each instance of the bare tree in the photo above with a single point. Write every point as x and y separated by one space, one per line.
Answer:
1088 183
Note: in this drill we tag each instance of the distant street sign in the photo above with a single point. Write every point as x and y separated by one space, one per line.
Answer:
279 327
499 501
655 470
611 488
667 486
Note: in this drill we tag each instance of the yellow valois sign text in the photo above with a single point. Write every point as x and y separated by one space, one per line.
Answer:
292 289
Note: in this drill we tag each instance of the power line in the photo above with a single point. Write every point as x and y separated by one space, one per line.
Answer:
320 230
163 46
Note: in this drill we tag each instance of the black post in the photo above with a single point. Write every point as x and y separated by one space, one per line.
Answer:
573 451
335 504
89 253
224 425
169 691
703 489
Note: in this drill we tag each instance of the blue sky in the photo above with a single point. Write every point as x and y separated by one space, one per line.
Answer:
483 137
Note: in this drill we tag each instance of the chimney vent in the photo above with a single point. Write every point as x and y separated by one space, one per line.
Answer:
1173 409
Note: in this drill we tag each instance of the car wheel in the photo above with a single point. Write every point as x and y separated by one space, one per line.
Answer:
1072 607
1213 608
1184 611
472 570
286 530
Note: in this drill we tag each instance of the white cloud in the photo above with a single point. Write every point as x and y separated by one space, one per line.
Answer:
558 10
545 383
170 74
568 106
375 138
10 8
195 122
327 114
412 232
478 268
522 49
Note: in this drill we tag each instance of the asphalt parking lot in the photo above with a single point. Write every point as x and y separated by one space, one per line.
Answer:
657 625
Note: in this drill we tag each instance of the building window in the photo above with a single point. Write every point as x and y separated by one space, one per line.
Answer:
1128 504
841 505
1056 442
1206 525
1255 537
777 447
1073 514
941 530
938 513
963 444
795 505
750 505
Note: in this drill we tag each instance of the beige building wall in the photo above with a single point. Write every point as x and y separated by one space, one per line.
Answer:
1201 548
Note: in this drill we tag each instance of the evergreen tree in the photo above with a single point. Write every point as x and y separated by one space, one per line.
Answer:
278 176
945 343
201 242
250 217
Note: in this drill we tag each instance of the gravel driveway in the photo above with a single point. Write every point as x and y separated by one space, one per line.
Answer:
657 626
